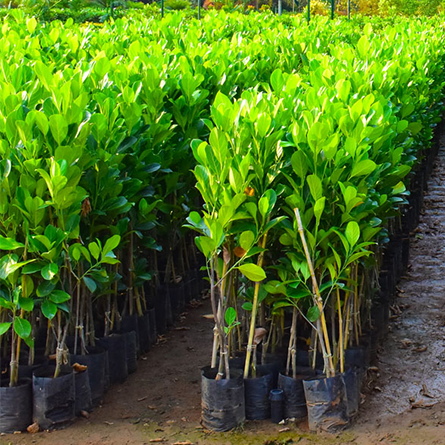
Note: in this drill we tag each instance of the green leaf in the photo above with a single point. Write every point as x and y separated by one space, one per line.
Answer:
31 24
315 186
267 203
49 271
230 316
363 168
206 245
319 208
246 240
42 122
22 327
352 233
299 164
4 327
9 244
29 341
94 249
44 74
252 272
49 309
75 252
109 260
111 244
357 256
45 288
248 306
8 265
313 314
33 268
102 67
27 304
273 222
58 127
59 296
90 284
296 294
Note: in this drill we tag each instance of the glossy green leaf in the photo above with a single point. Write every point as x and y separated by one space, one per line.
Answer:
59 296
59 127
313 314
49 271
27 304
363 168
22 327
252 272
49 309
352 233
4 327
230 316
90 284
246 240
10 244
94 250
111 244
315 186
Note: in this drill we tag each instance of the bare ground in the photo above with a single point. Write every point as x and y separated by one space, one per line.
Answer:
405 403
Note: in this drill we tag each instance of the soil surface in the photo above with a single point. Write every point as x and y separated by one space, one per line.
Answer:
404 404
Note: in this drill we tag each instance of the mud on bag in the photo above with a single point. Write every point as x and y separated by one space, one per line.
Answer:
54 398
222 401
326 403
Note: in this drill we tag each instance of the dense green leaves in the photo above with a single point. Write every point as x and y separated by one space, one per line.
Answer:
100 150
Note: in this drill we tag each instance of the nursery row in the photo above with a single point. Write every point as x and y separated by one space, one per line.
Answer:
301 141
40 401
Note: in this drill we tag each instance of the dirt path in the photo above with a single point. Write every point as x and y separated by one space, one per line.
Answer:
412 363
162 400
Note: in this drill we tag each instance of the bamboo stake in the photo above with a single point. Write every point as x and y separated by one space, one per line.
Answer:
293 335
347 325
215 343
314 345
341 350
324 342
356 305
360 331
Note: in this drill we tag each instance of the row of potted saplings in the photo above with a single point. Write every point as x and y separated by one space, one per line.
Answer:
40 401
284 391
287 387
293 385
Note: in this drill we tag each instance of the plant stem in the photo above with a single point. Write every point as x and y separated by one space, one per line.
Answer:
254 312
13 377
77 327
130 278
217 315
